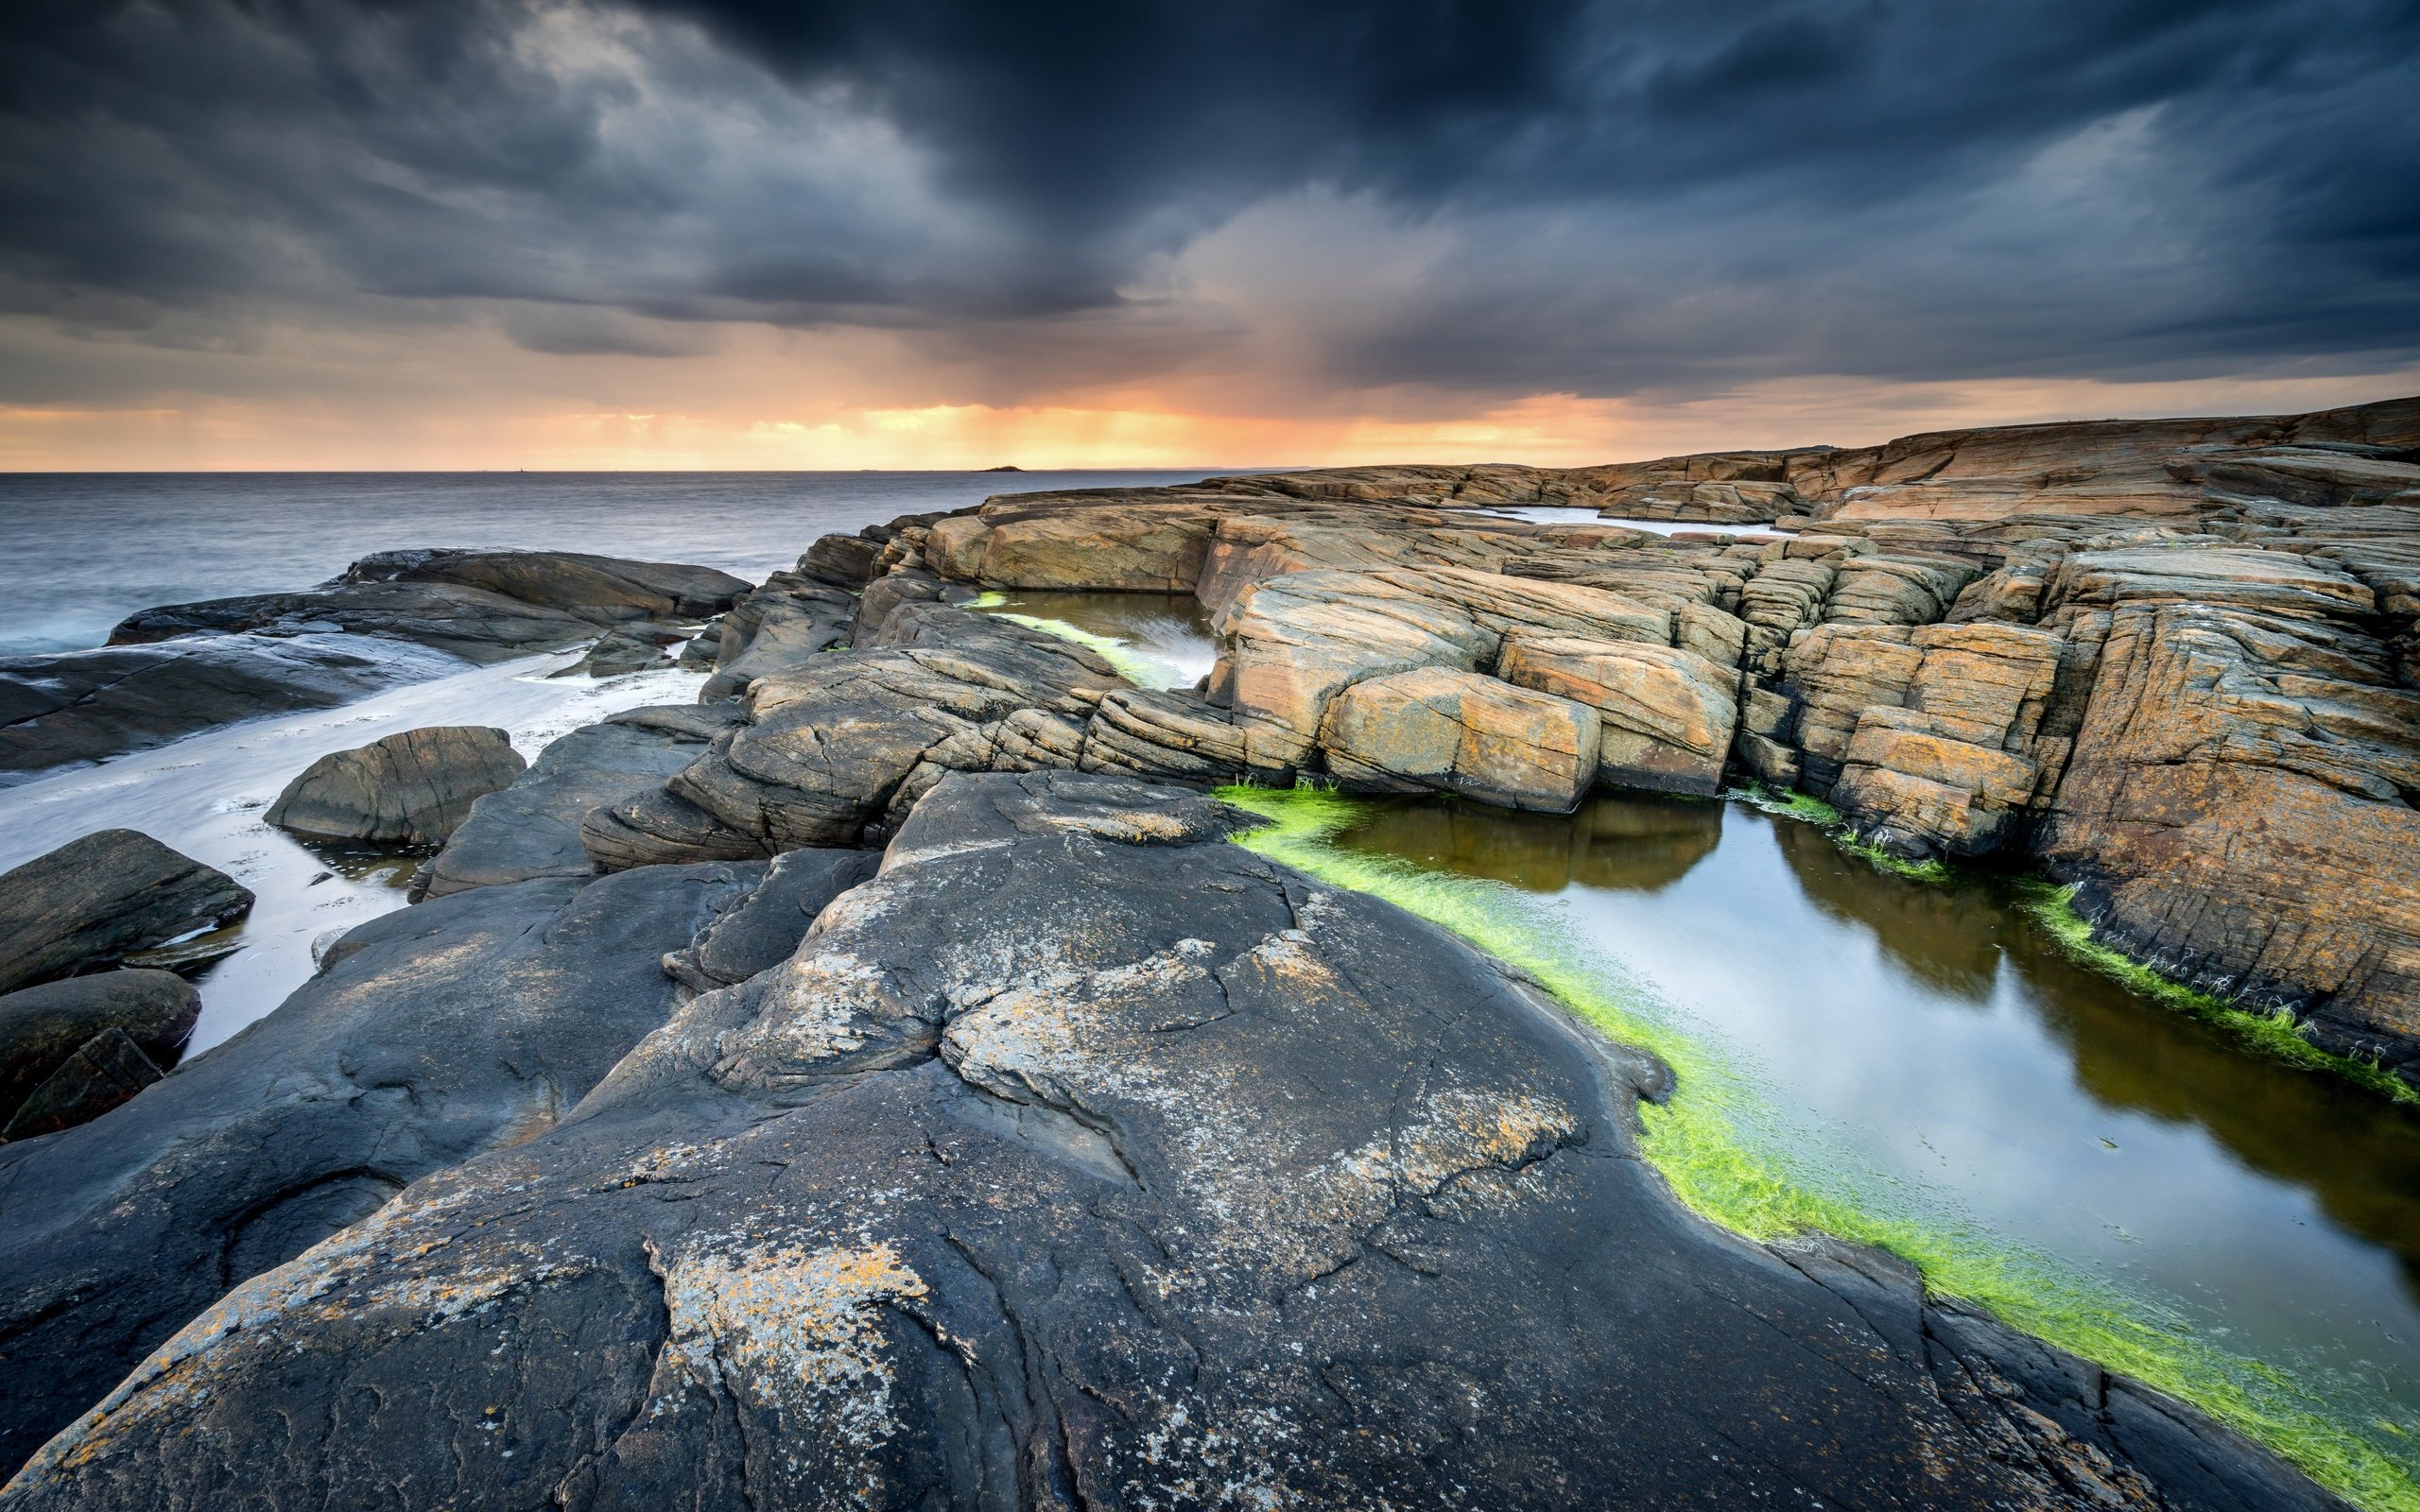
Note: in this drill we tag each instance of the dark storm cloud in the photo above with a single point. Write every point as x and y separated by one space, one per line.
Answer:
1608 197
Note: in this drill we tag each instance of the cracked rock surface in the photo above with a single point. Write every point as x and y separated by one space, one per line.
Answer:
1081 1159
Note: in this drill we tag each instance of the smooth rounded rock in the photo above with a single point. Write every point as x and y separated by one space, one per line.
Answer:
414 787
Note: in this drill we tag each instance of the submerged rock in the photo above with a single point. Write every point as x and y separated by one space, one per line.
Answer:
436 1032
1081 1157
414 787
91 900
42 1027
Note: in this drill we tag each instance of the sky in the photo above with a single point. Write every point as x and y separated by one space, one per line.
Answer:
702 234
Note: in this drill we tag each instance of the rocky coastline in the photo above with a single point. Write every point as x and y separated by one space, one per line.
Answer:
883 1082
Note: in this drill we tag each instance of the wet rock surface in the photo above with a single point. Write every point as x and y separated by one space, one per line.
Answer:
105 1071
91 900
461 1025
394 617
1081 1157
2122 649
414 787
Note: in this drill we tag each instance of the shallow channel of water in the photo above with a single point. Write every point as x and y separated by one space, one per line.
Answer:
204 795
1158 640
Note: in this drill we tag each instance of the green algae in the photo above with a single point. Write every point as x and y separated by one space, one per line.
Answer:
2275 1035
1143 671
1736 1159
1809 809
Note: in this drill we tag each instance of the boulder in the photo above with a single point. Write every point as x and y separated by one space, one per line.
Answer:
836 751
843 562
1292 644
532 827
464 1024
41 1026
414 787
619 653
91 900
1667 714
1438 730
105 1071
776 627
1080 1150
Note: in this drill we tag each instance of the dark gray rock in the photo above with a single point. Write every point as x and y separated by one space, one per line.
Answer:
779 626
844 561
89 706
610 589
700 653
104 1073
91 900
884 594
619 653
465 1024
763 932
41 1026
481 605
414 787
835 751
395 617
531 828
1080 1160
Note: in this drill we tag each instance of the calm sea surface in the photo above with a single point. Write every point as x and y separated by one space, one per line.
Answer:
80 551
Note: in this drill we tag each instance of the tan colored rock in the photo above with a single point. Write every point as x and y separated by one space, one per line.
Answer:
2240 806
1441 729
1294 642
1667 713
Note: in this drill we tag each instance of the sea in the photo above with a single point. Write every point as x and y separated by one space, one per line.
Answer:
80 551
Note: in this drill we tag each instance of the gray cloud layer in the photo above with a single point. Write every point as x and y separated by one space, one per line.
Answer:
1481 199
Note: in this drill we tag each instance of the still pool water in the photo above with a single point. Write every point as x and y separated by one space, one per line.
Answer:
1925 1056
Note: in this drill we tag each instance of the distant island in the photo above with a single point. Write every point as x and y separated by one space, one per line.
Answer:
1005 468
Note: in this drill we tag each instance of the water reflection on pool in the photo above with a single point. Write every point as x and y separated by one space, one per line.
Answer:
1936 1039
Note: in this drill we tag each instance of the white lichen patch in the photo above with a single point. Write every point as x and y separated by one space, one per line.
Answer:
818 1008
1456 1133
798 1331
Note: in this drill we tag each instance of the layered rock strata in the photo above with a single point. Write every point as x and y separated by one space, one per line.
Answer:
2175 661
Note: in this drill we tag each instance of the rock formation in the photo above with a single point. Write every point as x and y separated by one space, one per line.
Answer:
91 900
414 787
463 1024
43 1027
680 1150
2121 648
989 1195
398 616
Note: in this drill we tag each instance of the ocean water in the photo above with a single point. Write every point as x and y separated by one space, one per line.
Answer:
80 551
